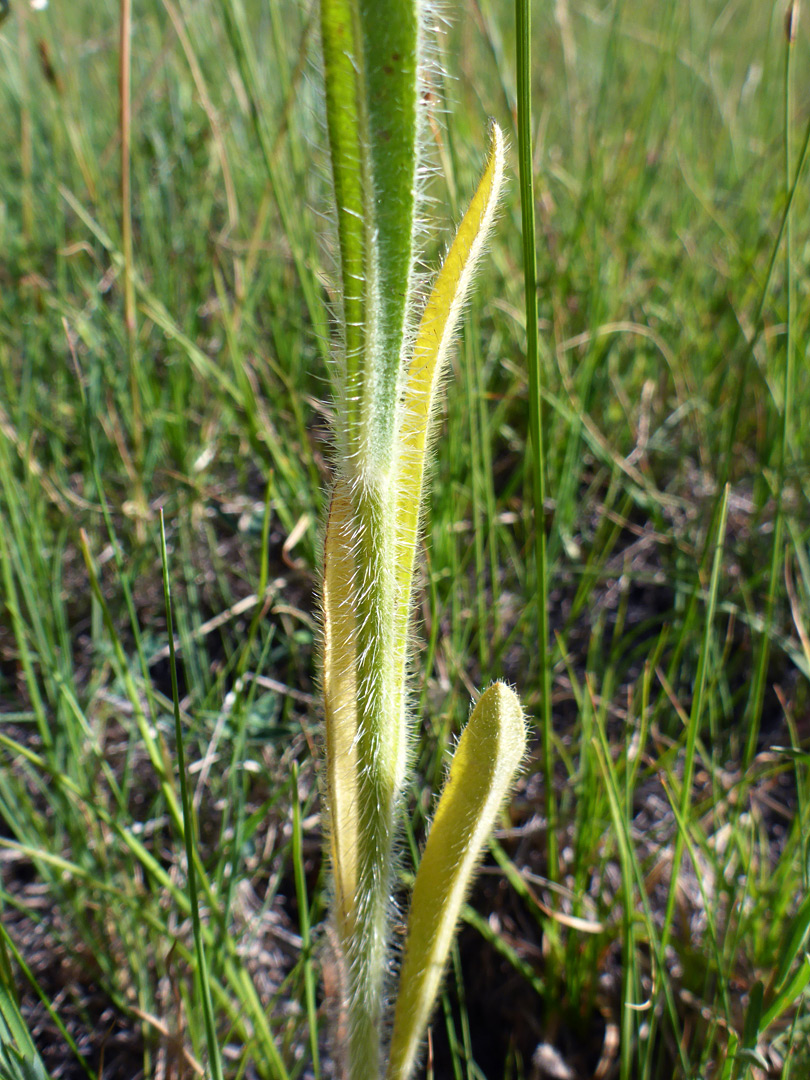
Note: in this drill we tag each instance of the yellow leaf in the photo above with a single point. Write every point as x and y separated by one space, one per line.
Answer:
433 340
488 755
340 704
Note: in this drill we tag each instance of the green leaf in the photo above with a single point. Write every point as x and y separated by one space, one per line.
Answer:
391 47
794 943
342 80
789 993
433 340
753 1017
371 61
19 1059
484 765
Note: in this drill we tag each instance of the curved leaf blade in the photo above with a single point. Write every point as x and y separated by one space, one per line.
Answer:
484 765
434 338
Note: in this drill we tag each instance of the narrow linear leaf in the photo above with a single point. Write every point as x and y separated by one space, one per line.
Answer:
19 1059
203 982
433 341
391 34
731 1052
303 922
371 76
484 765
343 75
493 938
790 993
794 943
753 1017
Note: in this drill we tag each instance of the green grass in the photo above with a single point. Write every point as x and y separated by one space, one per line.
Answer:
673 322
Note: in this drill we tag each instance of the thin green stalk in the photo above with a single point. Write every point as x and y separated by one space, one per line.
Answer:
124 73
11 604
724 977
464 1016
26 66
145 728
188 832
242 46
758 323
124 77
630 863
630 979
478 487
777 555
538 461
303 923
238 793
695 717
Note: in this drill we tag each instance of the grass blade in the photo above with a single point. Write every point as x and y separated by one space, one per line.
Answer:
538 453
188 832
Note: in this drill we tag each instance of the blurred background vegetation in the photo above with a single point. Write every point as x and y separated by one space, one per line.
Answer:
670 142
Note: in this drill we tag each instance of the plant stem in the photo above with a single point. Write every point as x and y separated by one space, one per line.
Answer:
130 328
188 831
775 568
524 125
